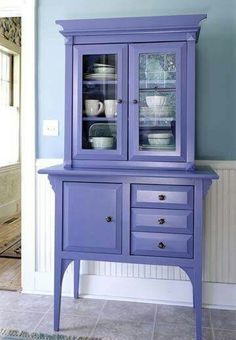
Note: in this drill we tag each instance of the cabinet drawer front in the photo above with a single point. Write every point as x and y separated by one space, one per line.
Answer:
92 217
160 244
162 220
166 196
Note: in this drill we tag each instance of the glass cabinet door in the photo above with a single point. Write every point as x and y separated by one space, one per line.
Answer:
100 102
157 93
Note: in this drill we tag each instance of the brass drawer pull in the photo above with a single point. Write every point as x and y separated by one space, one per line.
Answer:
161 197
161 221
161 245
109 219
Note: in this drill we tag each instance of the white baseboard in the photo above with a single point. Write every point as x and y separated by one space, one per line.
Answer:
8 210
170 292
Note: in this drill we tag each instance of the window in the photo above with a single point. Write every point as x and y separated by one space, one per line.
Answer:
6 79
9 108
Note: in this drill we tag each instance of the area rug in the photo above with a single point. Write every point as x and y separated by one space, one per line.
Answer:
10 236
22 335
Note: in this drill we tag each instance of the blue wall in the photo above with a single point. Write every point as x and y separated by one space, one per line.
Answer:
216 66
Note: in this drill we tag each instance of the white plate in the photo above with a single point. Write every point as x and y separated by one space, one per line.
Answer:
102 65
100 76
170 147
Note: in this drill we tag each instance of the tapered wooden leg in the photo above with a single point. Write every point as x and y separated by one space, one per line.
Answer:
57 292
76 278
59 270
198 302
193 297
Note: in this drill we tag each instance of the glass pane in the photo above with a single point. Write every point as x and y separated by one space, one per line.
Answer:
157 97
5 79
99 102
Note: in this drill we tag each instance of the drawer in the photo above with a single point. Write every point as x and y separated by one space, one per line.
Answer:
162 196
162 220
92 217
160 244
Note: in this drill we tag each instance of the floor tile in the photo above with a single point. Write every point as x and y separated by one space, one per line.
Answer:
12 301
181 315
26 321
84 307
74 325
223 319
171 331
224 335
129 311
123 330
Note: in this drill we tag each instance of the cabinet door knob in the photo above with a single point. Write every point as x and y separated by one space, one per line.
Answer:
135 101
119 101
109 219
161 221
161 245
161 197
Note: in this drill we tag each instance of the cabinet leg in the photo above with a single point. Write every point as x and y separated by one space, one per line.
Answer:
198 303
76 278
60 268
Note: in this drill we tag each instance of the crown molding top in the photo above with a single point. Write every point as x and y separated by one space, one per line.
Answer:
133 25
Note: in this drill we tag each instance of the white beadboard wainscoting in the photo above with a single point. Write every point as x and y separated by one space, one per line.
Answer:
148 282
10 182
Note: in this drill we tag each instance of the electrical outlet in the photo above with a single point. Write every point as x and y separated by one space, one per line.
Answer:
50 127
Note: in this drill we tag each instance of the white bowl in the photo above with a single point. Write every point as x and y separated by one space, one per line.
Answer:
153 101
159 138
158 111
104 70
102 142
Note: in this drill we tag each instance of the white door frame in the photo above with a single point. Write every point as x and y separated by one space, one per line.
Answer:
26 9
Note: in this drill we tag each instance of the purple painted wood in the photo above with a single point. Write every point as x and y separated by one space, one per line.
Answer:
115 205
162 196
162 220
161 244
146 34
92 224
76 278
68 102
122 26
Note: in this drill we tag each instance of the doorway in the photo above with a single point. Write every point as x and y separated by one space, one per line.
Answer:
26 9
10 165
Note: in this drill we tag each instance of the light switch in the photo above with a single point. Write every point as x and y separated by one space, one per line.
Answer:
50 127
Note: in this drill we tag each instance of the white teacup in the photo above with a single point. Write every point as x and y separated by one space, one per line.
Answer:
110 108
93 107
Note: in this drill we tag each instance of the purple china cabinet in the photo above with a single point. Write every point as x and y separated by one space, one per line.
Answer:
129 190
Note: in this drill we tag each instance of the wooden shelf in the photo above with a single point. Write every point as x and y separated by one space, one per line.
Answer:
99 119
100 82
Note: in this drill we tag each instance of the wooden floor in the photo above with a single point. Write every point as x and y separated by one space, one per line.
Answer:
10 274
10 268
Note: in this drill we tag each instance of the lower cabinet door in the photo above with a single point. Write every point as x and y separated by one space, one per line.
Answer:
92 217
160 244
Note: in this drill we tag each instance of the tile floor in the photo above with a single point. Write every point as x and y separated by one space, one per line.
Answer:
113 319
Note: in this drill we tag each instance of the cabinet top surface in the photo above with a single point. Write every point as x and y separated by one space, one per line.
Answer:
198 173
151 23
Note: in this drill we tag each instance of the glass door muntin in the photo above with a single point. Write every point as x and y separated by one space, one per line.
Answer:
100 102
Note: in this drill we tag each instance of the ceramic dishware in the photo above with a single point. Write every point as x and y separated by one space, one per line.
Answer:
104 70
110 106
153 101
93 107
160 138
102 142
